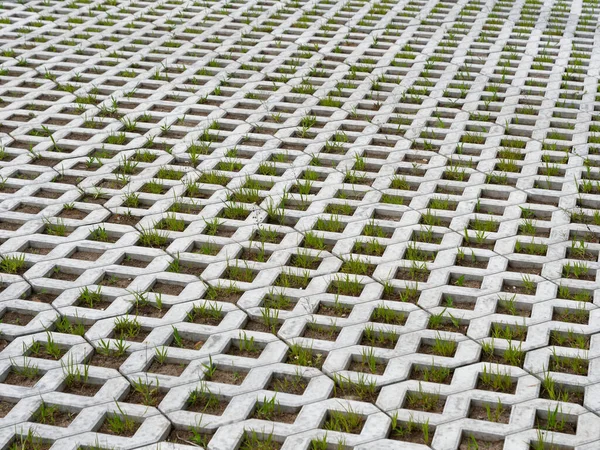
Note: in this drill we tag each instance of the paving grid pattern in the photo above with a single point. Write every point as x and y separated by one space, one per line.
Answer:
322 224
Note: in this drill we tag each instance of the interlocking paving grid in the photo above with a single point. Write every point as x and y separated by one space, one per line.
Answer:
322 224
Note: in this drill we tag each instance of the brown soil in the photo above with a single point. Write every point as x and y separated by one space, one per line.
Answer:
203 407
43 354
522 268
68 179
468 262
28 209
64 276
521 312
228 377
417 275
85 256
255 325
20 380
40 297
166 288
94 200
123 219
254 255
134 262
349 393
59 419
106 430
467 444
100 305
195 271
85 389
567 427
415 435
480 413
115 281
450 327
277 416
236 351
140 337
44 193
487 246
189 344
150 311
228 296
458 305
380 342
37 250
474 284
515 289
9 226
187 437
331 311
224 231
111 184
212 321
170 369
137 397
5 408
16 318
321 332
84 166
110 362
358 366
287 384
72 214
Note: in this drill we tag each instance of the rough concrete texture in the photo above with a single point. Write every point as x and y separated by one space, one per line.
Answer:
306 225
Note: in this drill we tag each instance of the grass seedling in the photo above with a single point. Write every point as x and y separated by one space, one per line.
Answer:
206 310
253 441
443 347
496 381
267 409
90 298
120 423
126 327
494 414
152 238
26 370
12 264
364 388
402 430
347 421
385 314
422 400
64 325
304 356
148 391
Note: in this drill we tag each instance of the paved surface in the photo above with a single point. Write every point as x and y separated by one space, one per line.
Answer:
301 225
